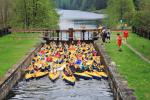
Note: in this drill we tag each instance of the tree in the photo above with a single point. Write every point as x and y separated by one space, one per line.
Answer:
119 10
34 14
142 16
4 13
81 4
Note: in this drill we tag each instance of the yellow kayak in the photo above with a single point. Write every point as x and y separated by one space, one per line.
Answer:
39 74
82 75
69 79
29 76
54 76
94 75
102 74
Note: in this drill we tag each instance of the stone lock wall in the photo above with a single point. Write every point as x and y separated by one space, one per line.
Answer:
15 73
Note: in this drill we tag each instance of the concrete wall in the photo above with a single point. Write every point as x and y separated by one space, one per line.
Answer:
118 85
15 73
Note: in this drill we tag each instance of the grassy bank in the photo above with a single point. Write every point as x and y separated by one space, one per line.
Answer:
140 44
132 68
13 47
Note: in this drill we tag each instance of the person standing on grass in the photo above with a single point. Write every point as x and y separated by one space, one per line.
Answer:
119 41
104 36
100 28
108 35
125 35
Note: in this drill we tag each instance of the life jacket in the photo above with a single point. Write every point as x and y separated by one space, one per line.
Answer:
48 59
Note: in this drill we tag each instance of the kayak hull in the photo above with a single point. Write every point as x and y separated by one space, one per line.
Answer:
39 75
94 75
29 77
70 80
82 76
102 74
54 77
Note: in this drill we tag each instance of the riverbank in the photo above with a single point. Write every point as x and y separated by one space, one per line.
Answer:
131 66
13 47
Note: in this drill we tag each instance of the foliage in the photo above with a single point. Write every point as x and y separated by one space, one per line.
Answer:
119 10
81 4
34 14
28 14
4 13
142 16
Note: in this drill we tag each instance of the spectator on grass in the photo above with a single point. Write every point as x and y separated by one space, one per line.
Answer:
108 35
119 41
100 28
104 35
125 35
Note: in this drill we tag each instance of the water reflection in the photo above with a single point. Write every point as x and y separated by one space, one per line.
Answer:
44 89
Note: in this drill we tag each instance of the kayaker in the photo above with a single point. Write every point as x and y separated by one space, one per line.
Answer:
67 70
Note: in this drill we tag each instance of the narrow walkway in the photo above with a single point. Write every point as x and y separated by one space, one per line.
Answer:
136 52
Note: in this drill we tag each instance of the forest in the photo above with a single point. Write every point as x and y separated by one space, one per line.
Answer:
42 13
89 5
132 12
28 14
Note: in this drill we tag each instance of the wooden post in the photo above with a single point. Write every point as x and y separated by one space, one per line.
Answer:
57 31
70 34
83 32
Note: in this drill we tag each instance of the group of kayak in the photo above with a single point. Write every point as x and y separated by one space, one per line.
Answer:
72 61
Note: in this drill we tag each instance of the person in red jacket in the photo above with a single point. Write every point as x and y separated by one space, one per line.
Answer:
119 41
125 35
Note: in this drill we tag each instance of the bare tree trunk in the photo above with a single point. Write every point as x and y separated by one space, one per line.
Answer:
26 16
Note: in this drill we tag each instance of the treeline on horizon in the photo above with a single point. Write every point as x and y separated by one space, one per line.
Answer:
88 5
130 12
28 14
42 13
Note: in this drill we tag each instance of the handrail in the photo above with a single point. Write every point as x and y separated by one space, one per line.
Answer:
49 30
51 34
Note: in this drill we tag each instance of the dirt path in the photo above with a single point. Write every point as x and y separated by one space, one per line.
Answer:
136 52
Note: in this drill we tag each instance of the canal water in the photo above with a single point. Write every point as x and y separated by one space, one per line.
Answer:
44 89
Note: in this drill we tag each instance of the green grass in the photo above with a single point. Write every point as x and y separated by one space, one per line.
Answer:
140 44
132 68
13 47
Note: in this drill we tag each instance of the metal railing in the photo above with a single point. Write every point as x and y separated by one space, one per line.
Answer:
64 35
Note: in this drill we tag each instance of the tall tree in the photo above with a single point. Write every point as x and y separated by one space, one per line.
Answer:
119 10
34 14
81 4
142 16
4 13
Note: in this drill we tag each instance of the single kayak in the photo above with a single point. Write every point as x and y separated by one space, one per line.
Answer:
39 74
69 79
82 75
102 74
29 76
94 75
54 76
